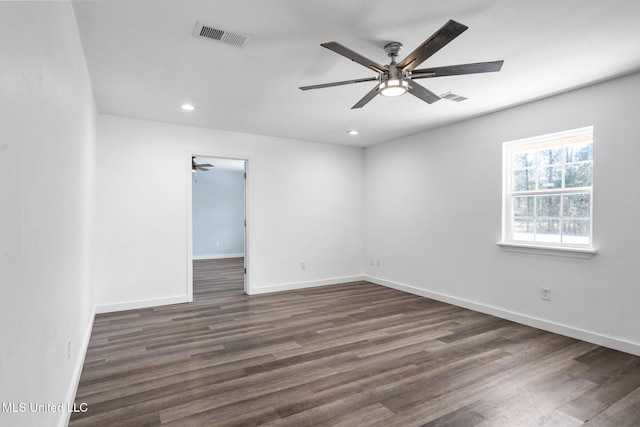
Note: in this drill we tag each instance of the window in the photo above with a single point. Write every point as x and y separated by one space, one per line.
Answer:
548 189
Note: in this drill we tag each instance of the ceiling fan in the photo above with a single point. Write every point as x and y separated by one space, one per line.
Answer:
398 78
199 167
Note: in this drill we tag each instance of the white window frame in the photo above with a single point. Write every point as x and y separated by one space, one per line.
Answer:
508 240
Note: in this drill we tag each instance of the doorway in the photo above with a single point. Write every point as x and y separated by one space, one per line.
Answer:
218 231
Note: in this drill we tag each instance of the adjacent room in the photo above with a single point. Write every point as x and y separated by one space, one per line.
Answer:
278 212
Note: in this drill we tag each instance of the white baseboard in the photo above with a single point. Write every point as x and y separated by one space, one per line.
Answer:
569 331
132 305
77 371
218 256
304 285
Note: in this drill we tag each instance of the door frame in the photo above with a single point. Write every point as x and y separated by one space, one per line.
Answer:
247 203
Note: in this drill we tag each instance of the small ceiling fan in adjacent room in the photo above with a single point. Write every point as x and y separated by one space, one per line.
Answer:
398 78
199 167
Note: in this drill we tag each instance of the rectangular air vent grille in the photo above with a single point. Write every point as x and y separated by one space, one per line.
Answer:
453 97
224 36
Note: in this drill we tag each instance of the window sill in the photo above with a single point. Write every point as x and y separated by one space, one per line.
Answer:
583 253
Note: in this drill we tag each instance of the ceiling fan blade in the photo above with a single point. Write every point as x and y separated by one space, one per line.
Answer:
345 82
200 168
456 70
437 41
368 97
194 164
423 93
355 56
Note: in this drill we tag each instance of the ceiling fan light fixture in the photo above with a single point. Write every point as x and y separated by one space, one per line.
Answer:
393 87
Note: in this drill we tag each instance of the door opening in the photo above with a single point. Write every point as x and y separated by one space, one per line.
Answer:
218 236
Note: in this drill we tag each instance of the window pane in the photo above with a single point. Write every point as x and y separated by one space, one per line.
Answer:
523 206
576 227
523 229
576 231
524 180
550 177
550 156
578 152
548 206
576 205
548 230
523 159
579 175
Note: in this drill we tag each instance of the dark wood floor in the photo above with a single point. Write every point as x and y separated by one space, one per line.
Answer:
355 354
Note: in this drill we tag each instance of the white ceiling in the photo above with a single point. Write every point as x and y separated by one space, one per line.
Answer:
144 61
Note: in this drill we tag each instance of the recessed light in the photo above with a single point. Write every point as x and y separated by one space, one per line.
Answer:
187 107
353 132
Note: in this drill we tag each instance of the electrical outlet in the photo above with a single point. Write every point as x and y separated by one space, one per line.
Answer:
371 262
378 263
545 294
303 265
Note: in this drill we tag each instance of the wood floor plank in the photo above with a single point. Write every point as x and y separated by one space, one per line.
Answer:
342 355
625 412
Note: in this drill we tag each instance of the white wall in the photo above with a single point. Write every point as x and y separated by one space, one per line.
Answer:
433 204
218 212
46 182
304 204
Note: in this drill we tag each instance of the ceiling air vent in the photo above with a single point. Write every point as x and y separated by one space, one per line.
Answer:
224 36
453 97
